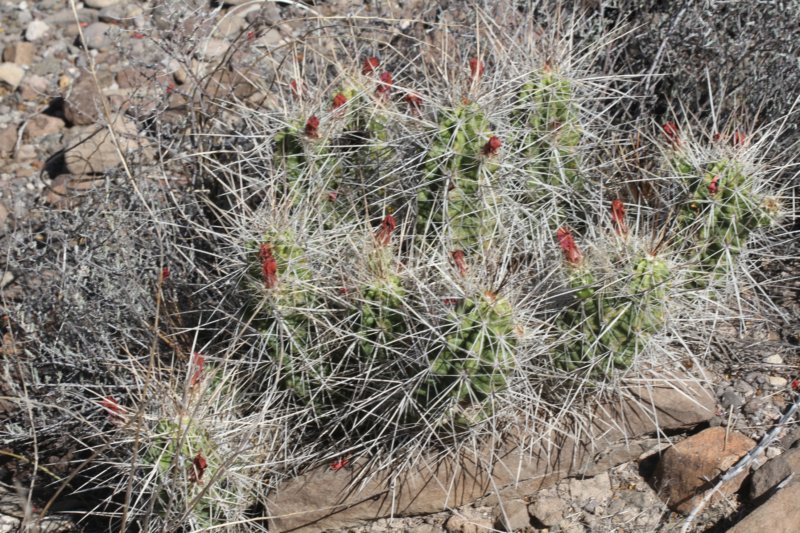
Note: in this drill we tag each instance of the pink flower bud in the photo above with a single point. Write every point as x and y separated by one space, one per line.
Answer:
713 187
739 138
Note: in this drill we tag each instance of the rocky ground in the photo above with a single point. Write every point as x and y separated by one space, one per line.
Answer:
48 103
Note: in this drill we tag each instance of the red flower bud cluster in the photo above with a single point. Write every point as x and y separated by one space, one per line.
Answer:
671 132
458 258
713 187
199 465
198 362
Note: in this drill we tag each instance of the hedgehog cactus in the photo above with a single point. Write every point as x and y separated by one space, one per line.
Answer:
720 214
610 318
282 311
458 168
550 131
477 359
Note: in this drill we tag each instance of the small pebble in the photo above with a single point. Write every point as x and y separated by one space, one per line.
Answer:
777 382
774 359
731 398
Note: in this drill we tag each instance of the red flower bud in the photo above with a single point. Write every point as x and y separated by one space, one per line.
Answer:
671 132
571 252
339 464
370 65
618 217
297 88
339 100
111 404
269 267
312 127
476 68
198 362
332 195
713 187
199 465
413 100
385 84
739 138
795 384
164 273
458 259
492 146
384 234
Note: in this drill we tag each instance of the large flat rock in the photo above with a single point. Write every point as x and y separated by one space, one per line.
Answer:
327 499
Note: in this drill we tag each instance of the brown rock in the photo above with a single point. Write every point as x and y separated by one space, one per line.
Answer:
511 515
91 150
11 75
82 105
21 53
548 510
469 521
41 125
691 467
779 514
325 499
774 471
8 139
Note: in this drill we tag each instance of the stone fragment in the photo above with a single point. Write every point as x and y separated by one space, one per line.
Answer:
511 515
11 75
689 468
21 53
774 359
548 510
230 26
8 139
779 514
469 520
774 471
65 190
91 150
122 14
41 125
36 30
34 87
99 4
97 36
596 489
212 49
777 382
82 105
731 398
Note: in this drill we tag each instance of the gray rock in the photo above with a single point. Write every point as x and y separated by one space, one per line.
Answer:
731 398
11 75
65 17
774 359
774 471
97 36
36 30
123 14
548 510
753 406
777 382
512 515
8 139
744 388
